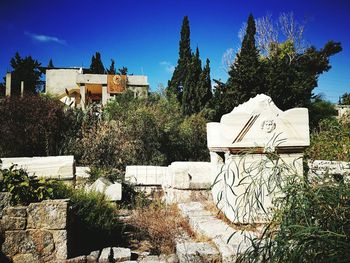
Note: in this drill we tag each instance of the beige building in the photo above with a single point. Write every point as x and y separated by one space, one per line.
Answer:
73 87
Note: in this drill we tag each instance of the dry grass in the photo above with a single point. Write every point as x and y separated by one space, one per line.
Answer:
159 226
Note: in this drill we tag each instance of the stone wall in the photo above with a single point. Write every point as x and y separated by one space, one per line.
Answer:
37 232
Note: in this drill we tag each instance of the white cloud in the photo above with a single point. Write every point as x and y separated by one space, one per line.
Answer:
44 38
167 66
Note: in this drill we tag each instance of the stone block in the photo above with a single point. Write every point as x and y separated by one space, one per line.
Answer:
196 252
119 254
319 168
25 258
15 211
114 192
100 185
13 223
49 214
82 172
60 240
173 195
5 200
56 167
145 174
190 175
40 243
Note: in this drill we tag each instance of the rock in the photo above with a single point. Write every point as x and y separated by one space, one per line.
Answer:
91 259
114 192
49 214
82 172
15 211
146 175
196 252
25 258
171 258
13 223
95 253
60 239
37 242
57 167
80 259
117 253
152 259
100 185
190 175
5 200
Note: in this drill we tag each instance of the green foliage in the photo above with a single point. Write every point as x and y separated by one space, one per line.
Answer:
50 65
24 69
25 189
319 110
96 66
331 141
123 71
311 225
31 126
246 75
111 69
345 99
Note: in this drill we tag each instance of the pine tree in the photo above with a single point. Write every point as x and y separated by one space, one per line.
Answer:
204 93
246 76
50 65
96 66
25 69
123 71
111 70
175 85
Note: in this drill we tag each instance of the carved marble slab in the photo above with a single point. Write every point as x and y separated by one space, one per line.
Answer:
259 123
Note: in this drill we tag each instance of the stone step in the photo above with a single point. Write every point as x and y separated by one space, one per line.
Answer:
229 241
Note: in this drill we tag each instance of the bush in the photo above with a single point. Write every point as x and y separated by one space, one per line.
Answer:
31 126
331 142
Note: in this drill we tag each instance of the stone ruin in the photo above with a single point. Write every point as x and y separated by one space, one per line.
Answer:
241 148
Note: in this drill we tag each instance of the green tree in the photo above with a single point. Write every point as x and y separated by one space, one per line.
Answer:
96 66
204 92
111 69
175 85
50 65
246 75
190 99
123 71
27 70
345 99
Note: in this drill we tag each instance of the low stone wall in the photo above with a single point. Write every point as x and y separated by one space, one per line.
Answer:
37 232
320 168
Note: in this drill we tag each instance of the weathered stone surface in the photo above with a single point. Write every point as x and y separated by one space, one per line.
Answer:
95 253
49 214
100 185
119 254
91 259
196 252
37 242
25 258
173 195
58 167
206 224
145 174
152 259
15 211
114 192
80 259
319 168
13 223
82 172
60 240
171 258
5 200
190 175
256 123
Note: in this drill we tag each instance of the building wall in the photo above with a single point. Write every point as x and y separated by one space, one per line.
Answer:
57 80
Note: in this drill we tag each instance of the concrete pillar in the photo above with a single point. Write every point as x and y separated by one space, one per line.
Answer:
22 88
8 84
105 95
82 97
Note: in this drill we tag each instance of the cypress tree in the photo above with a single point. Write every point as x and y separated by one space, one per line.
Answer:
246 76
96 66
175 85
111 69
50 65
204 92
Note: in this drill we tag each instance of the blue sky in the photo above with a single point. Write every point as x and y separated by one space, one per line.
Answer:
144 35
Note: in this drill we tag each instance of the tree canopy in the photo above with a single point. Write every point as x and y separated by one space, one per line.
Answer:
96 66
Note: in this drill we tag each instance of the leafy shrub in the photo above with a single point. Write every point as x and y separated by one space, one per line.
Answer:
32 125
331 142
